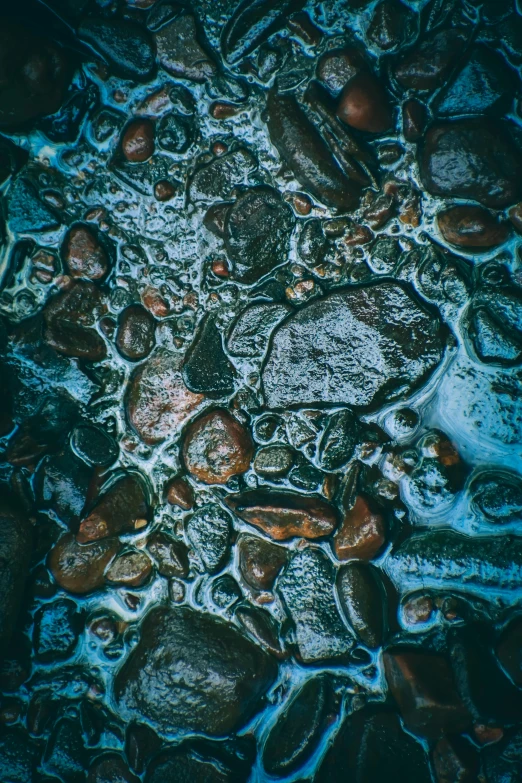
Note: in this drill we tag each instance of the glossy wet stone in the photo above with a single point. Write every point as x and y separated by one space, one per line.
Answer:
123 507
57 627
209 531
84 254
260 561
426 65
192 672
135 333
125 45
285 515
364 105
207 369
70 320
471 227
179 52
110 768
137 143
363 600
324 370
93 445
260 626
80 568
216 446
170 555
362 532
132 568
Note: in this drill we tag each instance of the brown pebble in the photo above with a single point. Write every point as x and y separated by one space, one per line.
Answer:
131 569
302 203
219 148
260 561
135 334
364 104
362 533
80 568
179 493
470 226
221 110
487 735
83 254
216 446
418 609
220 268
413 120
104 628
122 508
284 515
170 554
137 143
164 190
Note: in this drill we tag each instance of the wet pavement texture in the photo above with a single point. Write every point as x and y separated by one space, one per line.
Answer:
260 391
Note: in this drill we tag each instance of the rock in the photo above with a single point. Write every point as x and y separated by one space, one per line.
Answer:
260 561
35 75
424 688
509 649
391 25
251 24
65 125
170 555
158 402
305 152
192 673
183 764
137 142
209 530
225 592
80 568
283 515
56 630
414 120
164 190
299 728
26 212
175 133
363 600
84 254
66 755
495 323
427 65
338 440
307 589
273 462
135 334
18 756
455 759
179 52
336 67
62 483
93 445
473 158
339 350
219 177
216 446
132 569
16 540
141 744
256 233
474 227
121 509
179 493
362 533
371 747
498 496
207 369
485 84
70 320
110 768
481 564
125 45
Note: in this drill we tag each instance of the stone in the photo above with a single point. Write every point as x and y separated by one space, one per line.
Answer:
305 152
250 25
183 764
180 493
495 323
62 484
217 179
36 74
425 690
336 67
225 592
66 755
137 142
170 555
110 768
26 212
299 728
257 231
70 321
125 45
414 120
260 561
209 530
339 350
207 369
158 402
65 125
93 445
122 508
307 588
164 190
362 532
473 158
472 227
284 515
372 747
363 600
84 254
18 756
273 462
338 440
216 446
391 25
131 569
497 496
427 64
192 672
16 543
56 630
508 649
262 628
80 568
455 759
179 52
135 336
141 744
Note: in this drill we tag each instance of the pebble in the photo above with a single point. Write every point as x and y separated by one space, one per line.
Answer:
260 561
137 143
84 254
170 555
121 508
131 568
362 532
337 67
135 336
80 568
216 447
364 105
180 493
472 227
179 52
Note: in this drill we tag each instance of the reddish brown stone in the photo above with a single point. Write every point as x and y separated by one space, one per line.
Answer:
364 104
418 609
123 508
155 302
137 144
158 402
424 688
170 554
135 335
70 319
80 568
221 110
83 254
302 204
164 190
179 493
260 561
216 446
362 532
413 120
469 226
284 515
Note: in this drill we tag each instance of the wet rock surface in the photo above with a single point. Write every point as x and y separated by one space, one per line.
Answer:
260 382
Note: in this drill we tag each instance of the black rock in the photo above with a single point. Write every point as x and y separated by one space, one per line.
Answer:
94 446
209 531
65 125
66 755
16 539
338 440
126 46
18 756
62 482
26 213
207 369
